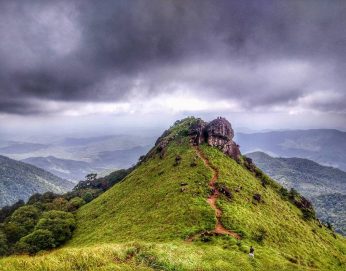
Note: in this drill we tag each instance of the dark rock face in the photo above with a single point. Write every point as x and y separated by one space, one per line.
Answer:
224 190
218 133
197 132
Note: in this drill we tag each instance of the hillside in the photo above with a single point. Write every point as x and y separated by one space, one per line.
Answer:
324 186
73 158
19 180
64 168
324 146
194 203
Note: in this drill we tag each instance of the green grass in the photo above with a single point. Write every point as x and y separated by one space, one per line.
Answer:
221 254
152 208
142 223
287 232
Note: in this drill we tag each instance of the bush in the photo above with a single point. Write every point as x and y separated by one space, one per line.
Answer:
7 211
3 244
26 217
75 203
59 204
13 232
87 197
36 241
283 192
59 223
308 214
293 194
260 235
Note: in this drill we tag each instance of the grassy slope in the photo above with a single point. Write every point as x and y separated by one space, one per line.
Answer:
149 205
141 224
288 235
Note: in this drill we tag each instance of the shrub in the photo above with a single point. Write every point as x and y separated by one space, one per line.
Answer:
260 235
36 241
3 244
283 192
257 197
75 203
60 224
59 204
26 217
87 197
308 214
7 211
13 232
293 194
223 189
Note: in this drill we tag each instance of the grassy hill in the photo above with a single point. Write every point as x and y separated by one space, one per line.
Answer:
158 218
324 186
20 180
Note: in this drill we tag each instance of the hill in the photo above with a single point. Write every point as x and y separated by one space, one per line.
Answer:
64 168
194 203
324 146
324 186
73 158
19 180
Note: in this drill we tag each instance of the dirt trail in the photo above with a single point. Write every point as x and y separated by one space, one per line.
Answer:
219 228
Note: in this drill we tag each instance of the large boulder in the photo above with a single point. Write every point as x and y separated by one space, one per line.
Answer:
197 132
218 133
219 130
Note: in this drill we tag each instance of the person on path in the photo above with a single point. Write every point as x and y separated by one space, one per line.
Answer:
252 252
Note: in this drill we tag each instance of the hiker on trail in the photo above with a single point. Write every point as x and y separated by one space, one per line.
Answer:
252 252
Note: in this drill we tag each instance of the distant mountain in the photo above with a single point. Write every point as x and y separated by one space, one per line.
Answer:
64 168
21 147
323 185
120 158
324 146
19 180
73 158
100 163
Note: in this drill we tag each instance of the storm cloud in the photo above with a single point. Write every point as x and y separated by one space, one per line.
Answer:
278 55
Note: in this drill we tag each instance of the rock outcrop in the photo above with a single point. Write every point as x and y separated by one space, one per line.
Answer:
218 133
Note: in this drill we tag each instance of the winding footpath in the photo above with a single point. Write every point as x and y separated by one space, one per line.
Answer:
219 228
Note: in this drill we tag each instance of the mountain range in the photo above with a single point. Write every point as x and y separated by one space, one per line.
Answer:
324 146
193 202
74 158
106 153
324 186
18 181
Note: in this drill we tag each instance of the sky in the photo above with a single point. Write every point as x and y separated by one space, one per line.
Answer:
106 67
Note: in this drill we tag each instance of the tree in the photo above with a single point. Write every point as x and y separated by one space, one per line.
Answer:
3 244
36 241
6 211
13 232
59 223
90 177
25 217
75 203
87 197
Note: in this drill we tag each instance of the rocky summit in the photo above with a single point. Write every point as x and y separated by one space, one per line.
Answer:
217 133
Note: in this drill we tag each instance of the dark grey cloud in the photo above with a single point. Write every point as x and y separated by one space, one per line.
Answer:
260 53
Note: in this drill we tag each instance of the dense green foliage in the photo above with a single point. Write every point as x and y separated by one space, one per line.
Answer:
53 229
36 241
47 220
29 230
